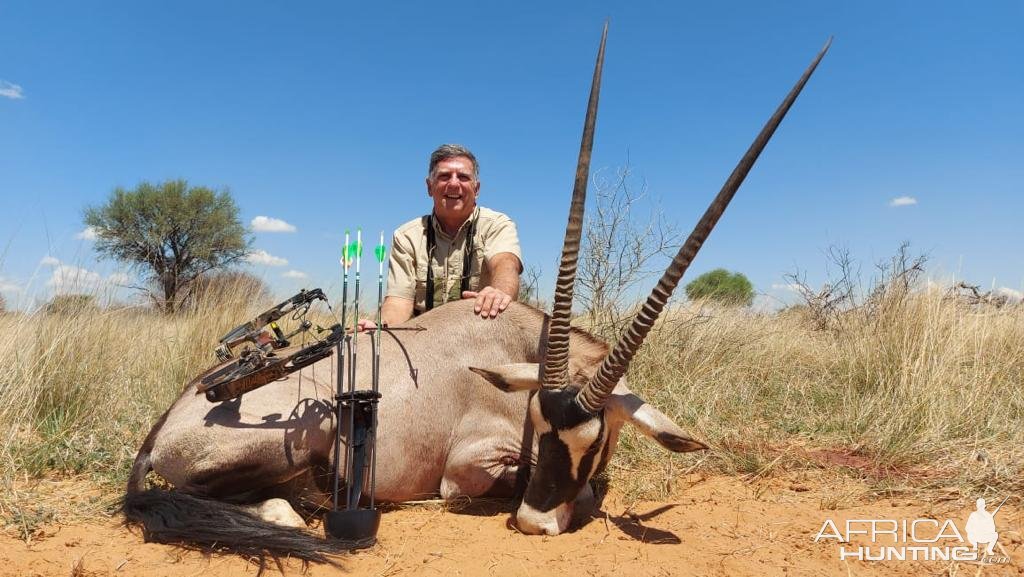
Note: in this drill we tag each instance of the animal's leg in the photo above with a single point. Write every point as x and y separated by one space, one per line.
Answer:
277 511
473 480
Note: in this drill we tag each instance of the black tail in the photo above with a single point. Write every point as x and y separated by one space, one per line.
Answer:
177 518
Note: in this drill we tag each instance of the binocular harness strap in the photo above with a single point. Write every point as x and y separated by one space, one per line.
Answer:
467 262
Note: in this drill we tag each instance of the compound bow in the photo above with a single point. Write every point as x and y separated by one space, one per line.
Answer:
268 354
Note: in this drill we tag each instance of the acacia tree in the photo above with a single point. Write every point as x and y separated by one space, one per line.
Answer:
722 286
171 233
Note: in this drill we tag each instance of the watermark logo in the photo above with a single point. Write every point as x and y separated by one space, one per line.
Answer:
917 539
981 527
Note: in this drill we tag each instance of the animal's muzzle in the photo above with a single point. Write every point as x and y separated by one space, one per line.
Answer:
534 522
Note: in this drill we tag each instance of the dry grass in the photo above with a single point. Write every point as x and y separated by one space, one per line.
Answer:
921 392
81 389
916 389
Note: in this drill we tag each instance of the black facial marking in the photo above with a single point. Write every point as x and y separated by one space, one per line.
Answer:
560 409
552 482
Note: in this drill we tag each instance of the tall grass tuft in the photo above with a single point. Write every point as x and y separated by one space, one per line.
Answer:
82 386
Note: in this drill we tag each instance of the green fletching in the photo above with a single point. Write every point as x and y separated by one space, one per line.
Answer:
379 252
346 258
353 251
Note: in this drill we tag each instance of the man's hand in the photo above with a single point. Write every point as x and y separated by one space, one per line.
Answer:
366 325
489 301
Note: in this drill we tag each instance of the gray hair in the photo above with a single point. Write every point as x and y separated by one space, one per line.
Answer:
446 151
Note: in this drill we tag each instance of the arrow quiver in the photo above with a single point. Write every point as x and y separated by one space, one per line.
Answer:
359 520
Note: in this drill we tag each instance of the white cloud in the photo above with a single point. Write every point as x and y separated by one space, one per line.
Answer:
49 261
265 258
88 233
66 278
8 286
790 287
765 304
269 224
1013 295
11 90
72 279
903 201
295 274
119 278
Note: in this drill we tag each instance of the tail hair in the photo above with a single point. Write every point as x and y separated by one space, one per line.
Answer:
176 518
208 525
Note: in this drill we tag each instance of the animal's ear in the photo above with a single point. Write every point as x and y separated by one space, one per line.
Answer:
512 377
651 422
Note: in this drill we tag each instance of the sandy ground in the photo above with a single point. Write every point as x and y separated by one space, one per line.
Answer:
711 526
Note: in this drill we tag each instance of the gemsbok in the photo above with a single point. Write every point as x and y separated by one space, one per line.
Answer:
469 406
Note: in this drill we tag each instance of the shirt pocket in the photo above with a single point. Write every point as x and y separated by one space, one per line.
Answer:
478 276
421 285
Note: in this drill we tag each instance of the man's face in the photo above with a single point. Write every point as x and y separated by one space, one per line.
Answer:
453 188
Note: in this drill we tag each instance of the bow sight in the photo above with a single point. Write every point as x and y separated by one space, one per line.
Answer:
267 354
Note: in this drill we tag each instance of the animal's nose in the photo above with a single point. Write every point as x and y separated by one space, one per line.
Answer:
534 522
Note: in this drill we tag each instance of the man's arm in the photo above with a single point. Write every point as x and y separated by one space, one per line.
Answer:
398 304
503 270
396 310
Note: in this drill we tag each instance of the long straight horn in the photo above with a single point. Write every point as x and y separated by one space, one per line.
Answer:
593 396
555 370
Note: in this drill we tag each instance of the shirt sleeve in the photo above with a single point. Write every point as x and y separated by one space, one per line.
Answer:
402 268
502 237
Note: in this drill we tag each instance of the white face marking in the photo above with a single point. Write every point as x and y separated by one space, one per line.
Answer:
578 440
534 522
540 424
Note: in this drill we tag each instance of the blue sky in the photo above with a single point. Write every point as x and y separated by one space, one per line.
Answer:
323 114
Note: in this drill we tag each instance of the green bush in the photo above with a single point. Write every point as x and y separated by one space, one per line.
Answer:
70 304
732 288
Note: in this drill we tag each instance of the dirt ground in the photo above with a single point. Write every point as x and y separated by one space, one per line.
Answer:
711 526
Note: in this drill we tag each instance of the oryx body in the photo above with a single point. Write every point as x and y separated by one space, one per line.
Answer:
442 428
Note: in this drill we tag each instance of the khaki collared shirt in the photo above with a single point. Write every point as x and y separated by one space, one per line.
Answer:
407 269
